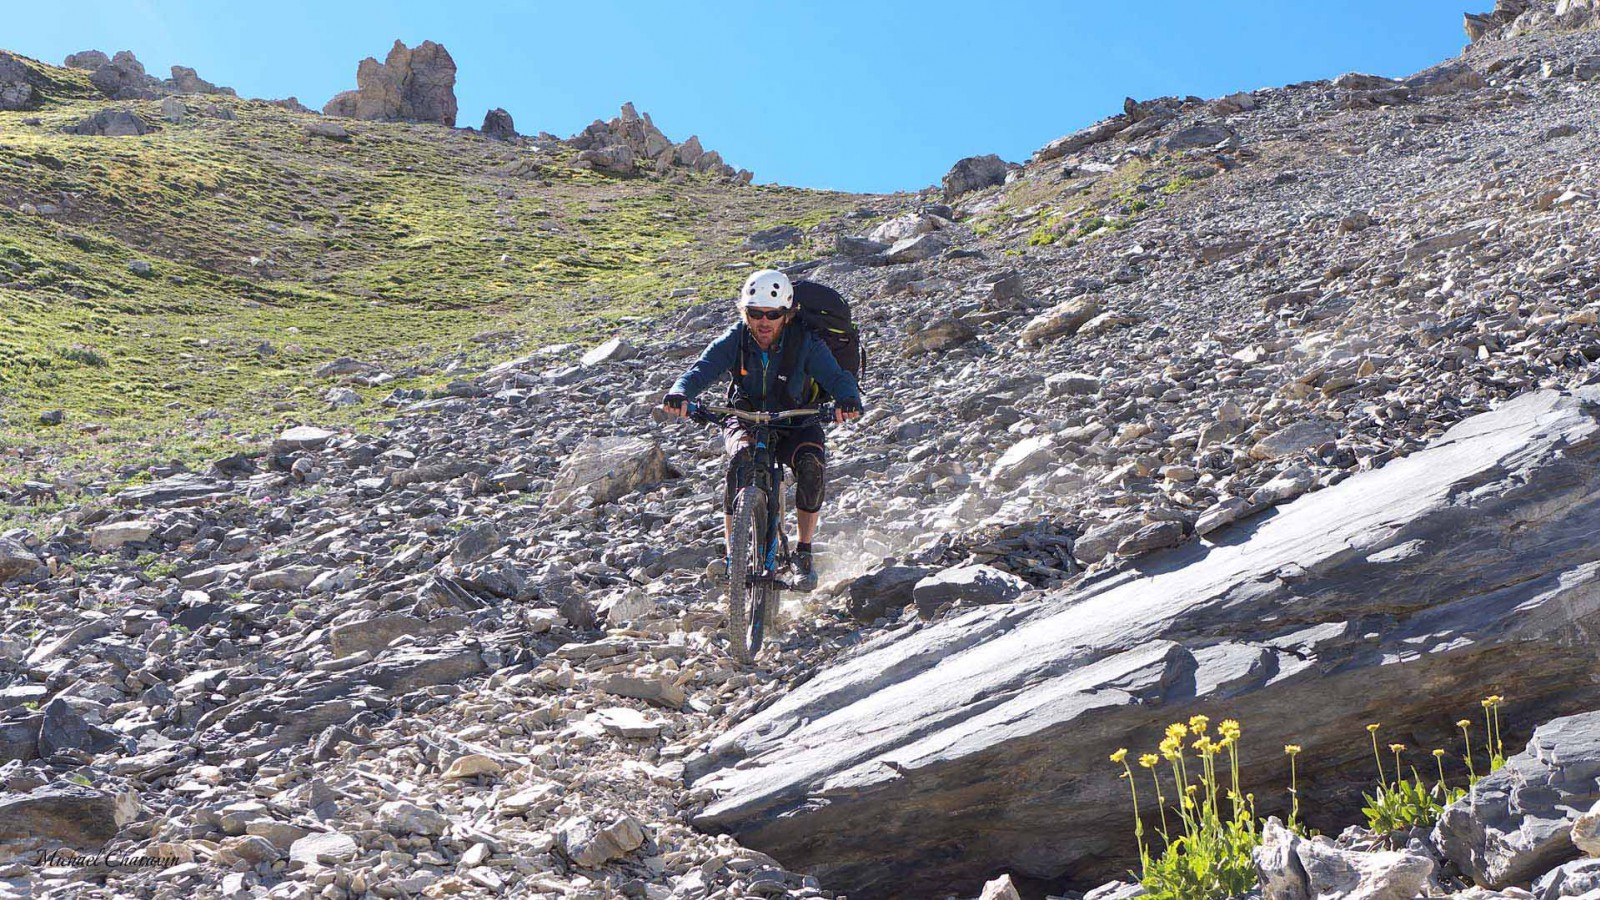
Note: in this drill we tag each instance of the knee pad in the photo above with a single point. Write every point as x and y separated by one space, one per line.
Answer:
738 474
809 476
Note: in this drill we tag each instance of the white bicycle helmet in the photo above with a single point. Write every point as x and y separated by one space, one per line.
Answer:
767 289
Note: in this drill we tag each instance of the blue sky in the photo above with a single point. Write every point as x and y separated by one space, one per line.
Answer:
863 96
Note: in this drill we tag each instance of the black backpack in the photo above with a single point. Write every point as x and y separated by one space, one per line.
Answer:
823 311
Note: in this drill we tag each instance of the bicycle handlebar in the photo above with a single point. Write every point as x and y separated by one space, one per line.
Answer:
759 417
715 414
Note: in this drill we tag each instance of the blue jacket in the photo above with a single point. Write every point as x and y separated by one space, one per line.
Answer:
815 361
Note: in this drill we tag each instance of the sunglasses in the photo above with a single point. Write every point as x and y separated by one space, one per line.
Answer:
771 315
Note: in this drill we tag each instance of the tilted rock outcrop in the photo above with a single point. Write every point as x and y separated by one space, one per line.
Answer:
629 140
122 77
930 760
1513 17
410 85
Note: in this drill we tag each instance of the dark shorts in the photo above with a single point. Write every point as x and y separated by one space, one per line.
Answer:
784 441
801 449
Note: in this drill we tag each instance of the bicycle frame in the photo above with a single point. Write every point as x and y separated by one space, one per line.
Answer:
764 462
757 561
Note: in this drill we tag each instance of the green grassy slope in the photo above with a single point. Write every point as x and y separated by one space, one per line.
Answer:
273 252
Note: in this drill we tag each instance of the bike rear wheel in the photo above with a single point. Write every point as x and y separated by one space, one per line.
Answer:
745 551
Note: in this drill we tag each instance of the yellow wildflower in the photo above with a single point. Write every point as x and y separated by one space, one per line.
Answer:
1149 760
1120 755
1197 723
1291 749
1177 730
1373 728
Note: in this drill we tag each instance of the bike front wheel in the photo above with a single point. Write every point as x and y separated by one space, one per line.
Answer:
744 560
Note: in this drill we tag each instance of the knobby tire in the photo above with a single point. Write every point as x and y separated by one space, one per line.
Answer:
749 515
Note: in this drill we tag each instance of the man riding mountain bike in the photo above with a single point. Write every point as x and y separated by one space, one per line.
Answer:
754 350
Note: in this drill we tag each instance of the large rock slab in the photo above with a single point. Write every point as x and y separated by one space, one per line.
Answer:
924 762
66 814
606 469
1517 822
183 489
411 84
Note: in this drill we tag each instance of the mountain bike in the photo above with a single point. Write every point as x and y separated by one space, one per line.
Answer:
758 547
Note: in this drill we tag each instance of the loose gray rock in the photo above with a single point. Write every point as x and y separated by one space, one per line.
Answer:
977 585
69 814
497 124
110 123
1294 868
604 470
972 174
589 843
1517 822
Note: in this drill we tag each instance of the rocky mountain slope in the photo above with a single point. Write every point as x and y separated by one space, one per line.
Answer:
172 286
456 640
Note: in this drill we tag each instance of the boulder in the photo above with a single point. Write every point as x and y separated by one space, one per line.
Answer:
123 78
186 81
857 247
1025 457
972 174
332 131
68 814
1306 434
403 818
902 227
1579 878
183 489
613 350
891 587
114 535
1294 868
304 437
331 848
974 585
603 470
989 730
110 123
772 239
1101 131
15 559
64 728
918 248
19 738
1517 822
375 634
618 159
410 85
942 333
591 843
497 124
16 84
87 59
1450 78
1586 832
1001 888
1063 319
1207 134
